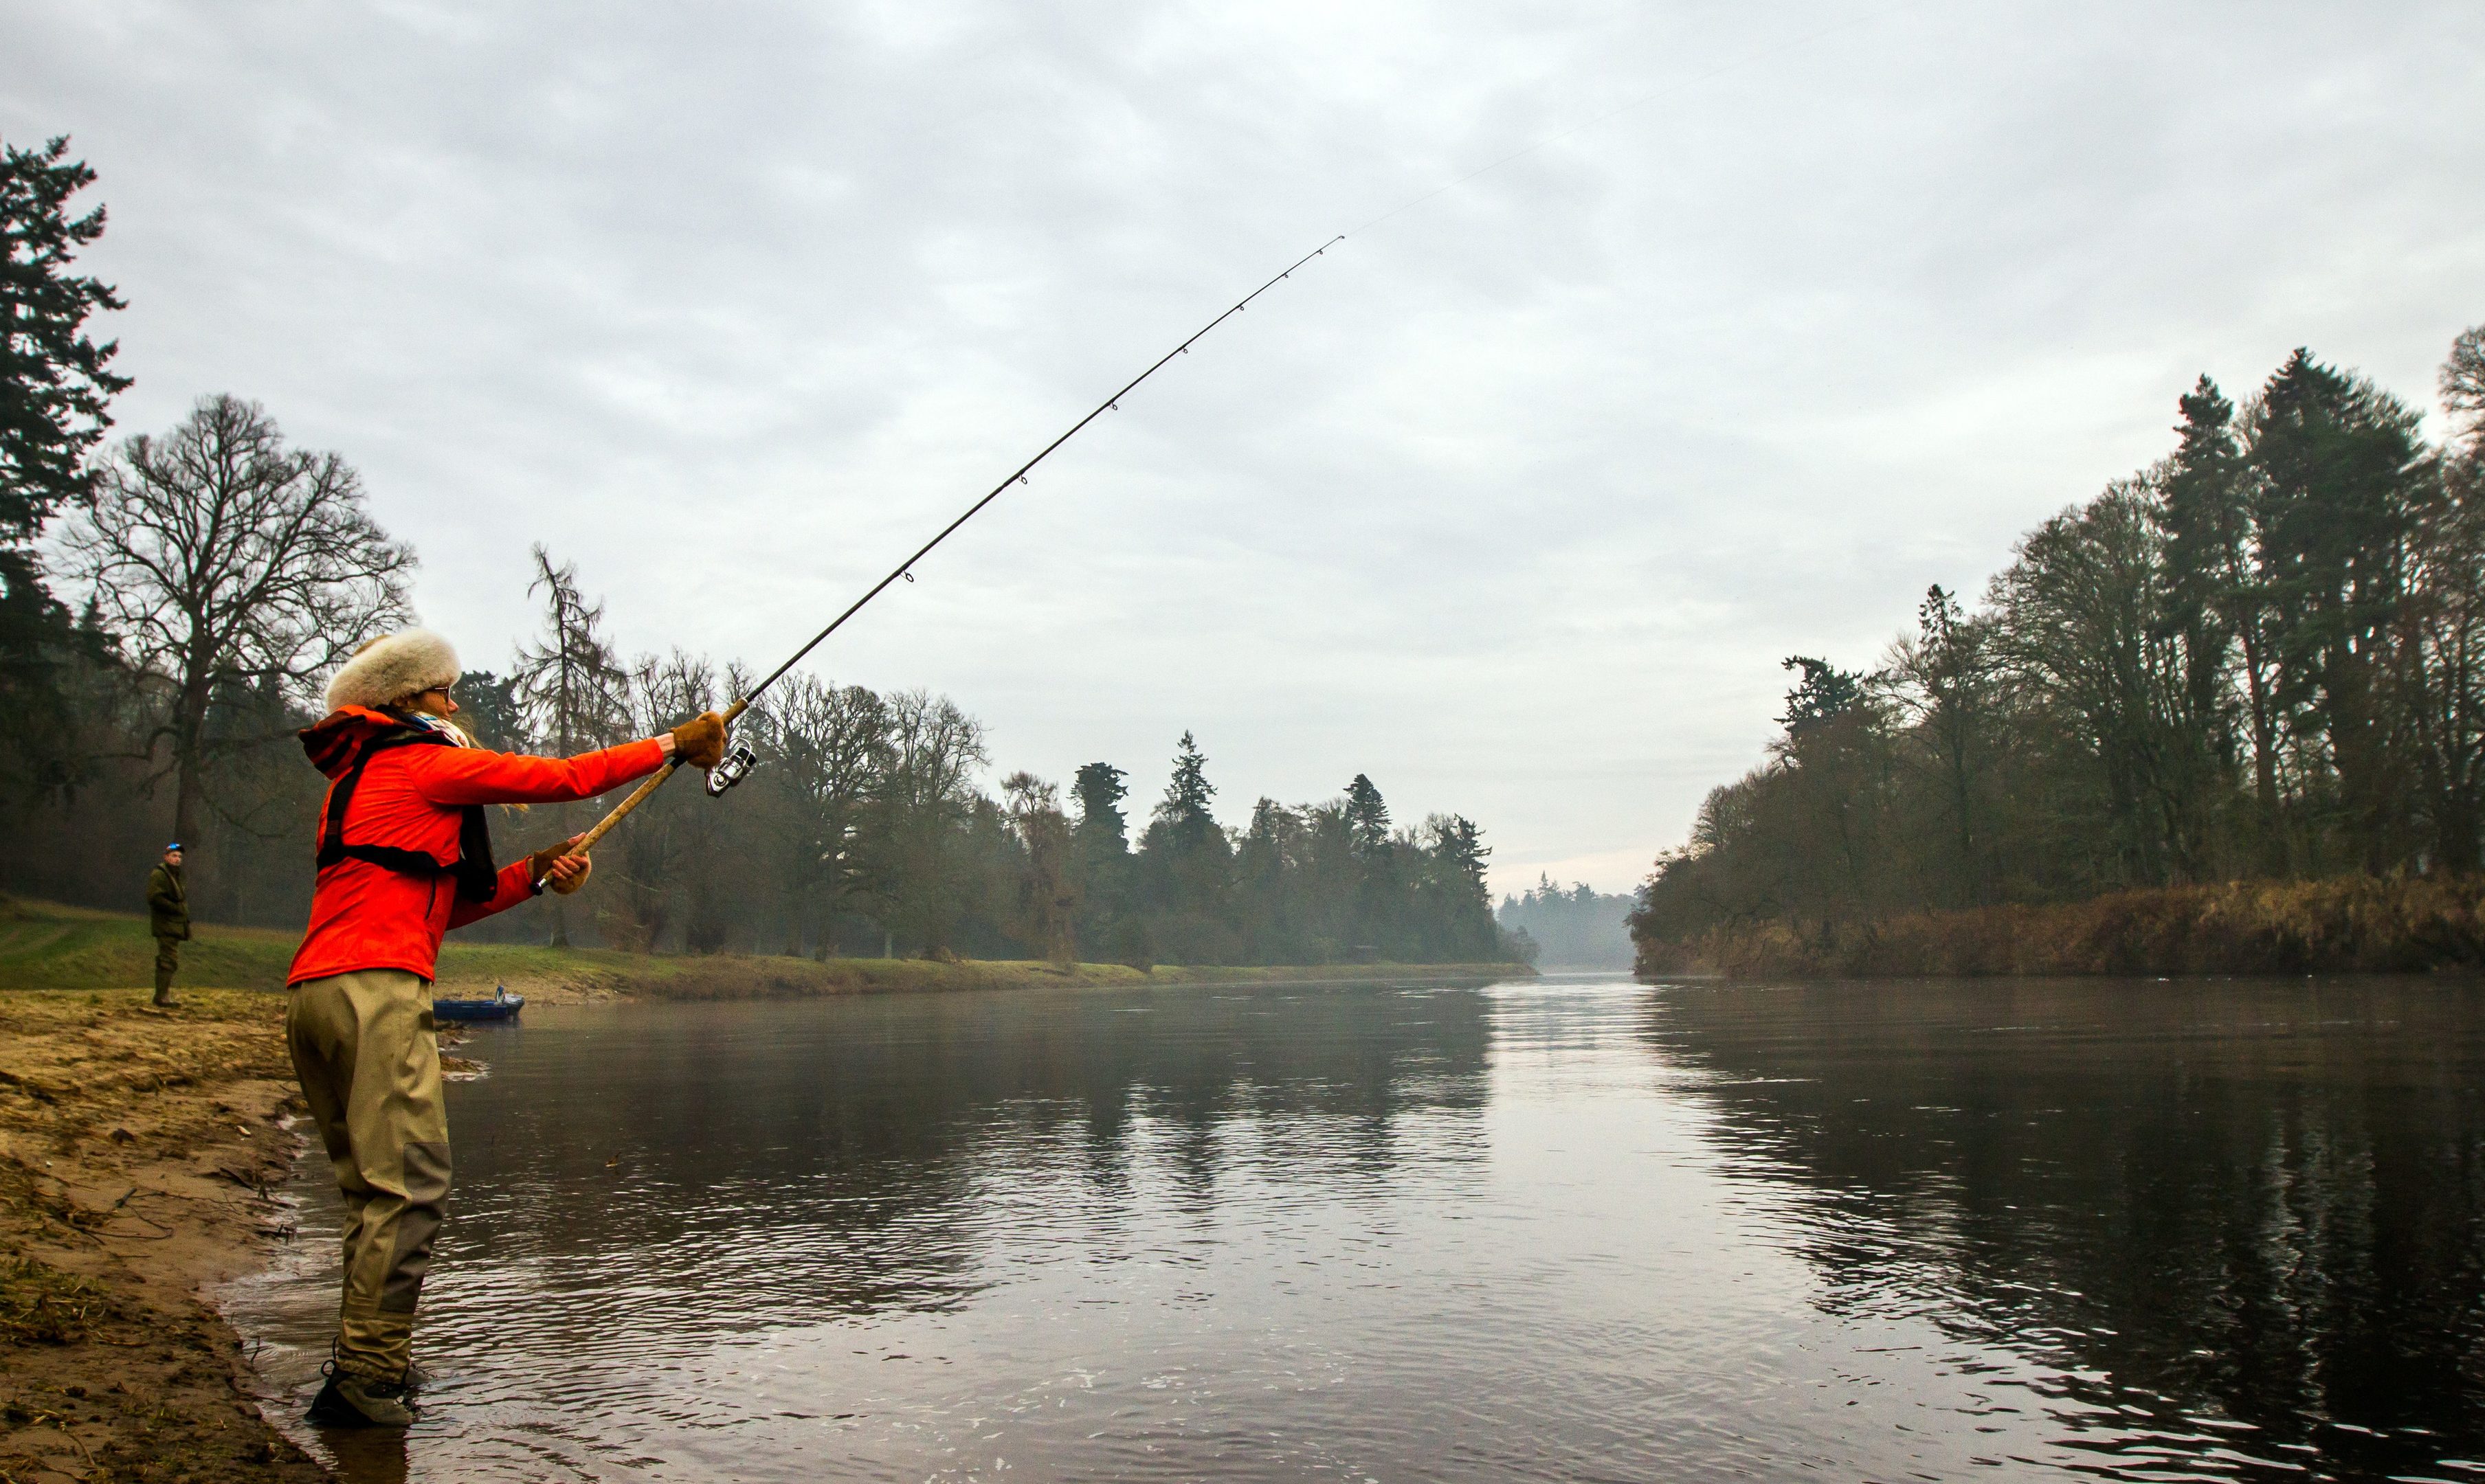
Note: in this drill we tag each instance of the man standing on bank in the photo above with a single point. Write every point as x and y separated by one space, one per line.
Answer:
404 855
167 917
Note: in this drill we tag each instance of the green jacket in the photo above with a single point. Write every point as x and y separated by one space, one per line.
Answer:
167 905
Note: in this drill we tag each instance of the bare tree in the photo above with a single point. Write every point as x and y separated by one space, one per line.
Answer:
2441 642
926 799
678 836
830 747
1048 895
1942 679
571 691
2463 384
224 560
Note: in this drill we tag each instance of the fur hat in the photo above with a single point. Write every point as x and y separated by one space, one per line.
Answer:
391 667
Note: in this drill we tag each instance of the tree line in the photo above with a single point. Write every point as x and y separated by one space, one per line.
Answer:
1575 927
2261 656
170 605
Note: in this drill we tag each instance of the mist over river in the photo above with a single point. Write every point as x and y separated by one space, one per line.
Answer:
1554 1230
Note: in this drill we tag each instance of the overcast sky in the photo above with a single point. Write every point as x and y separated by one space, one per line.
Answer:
1514 501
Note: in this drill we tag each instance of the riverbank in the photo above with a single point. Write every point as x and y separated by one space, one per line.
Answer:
44 946
137 1146
2357 925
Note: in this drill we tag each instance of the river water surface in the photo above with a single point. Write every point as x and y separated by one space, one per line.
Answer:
1557 1229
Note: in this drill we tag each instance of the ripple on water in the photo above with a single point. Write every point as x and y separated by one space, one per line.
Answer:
1530 1232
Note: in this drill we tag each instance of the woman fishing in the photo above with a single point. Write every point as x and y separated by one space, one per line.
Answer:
404 855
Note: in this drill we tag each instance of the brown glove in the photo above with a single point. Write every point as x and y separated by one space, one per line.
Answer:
700 740
556 868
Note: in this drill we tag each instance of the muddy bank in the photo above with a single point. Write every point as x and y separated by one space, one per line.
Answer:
137 1147
2356 924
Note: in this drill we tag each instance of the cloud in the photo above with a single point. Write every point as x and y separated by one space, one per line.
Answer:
1514 502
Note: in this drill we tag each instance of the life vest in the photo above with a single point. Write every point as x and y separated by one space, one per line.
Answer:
342 747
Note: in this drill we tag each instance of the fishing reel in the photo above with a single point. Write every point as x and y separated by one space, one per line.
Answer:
734 767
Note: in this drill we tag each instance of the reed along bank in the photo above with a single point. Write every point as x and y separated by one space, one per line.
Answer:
2354 925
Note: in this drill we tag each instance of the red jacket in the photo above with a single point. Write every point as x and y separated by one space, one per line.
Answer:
369 916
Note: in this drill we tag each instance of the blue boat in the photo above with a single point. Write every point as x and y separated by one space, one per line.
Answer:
502 1006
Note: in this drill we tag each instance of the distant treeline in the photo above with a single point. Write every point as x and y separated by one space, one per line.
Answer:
863 830
2262 657
1574 927
215 577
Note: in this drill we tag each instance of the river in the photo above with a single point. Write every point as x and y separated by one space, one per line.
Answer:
1557 1229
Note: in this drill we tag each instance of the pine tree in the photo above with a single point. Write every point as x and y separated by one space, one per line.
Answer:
2217 608
488 708
55 381
1101 830
1459 908
1367 816
1184 867
1099 850
1378 890
2339 479
1184 810
1824 694
55 387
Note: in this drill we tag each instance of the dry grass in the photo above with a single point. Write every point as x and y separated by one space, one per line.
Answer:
39 1305
2355 924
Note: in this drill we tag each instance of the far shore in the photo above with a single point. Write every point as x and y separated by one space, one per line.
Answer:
46 946
2351 925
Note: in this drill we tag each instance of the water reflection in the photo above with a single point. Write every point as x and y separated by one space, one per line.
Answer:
810 1167
639 1185
1531 1232
2248 1218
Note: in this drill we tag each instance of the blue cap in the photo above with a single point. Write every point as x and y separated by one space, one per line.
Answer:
175 846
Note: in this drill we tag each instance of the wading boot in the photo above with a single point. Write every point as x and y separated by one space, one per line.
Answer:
349 1400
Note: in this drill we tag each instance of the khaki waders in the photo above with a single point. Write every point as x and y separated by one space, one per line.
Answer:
369 1065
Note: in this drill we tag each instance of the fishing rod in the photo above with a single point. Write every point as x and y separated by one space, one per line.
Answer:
739 762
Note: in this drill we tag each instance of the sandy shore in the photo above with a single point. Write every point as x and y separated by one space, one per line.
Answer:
137 1146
